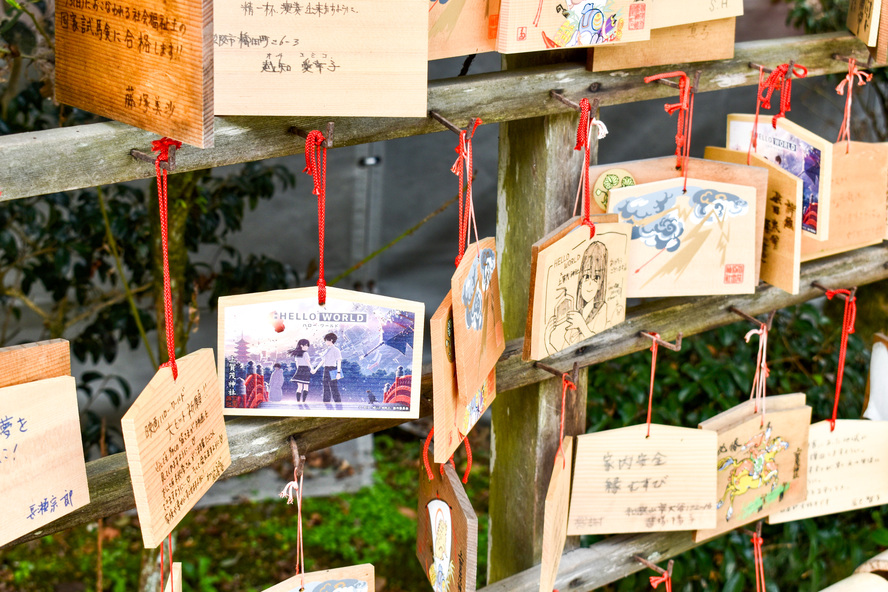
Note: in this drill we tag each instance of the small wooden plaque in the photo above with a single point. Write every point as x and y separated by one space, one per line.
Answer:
578 285
355 578
847 469
671 13
462 28
176 443
34 361
782 248
555 516
477 320
174 581
761 468
626 482
875 404
689 244
344 58
147 63
863 20
447 532
42 469
452 421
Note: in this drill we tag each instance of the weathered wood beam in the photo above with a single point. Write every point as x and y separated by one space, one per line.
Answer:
37 163
258 442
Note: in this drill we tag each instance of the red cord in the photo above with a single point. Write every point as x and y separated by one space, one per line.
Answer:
780 79
759 560
862 79
665 578
316 166
428 468
847 328
162 579
162 147
462 168
685 107
653 370
566 383
584 130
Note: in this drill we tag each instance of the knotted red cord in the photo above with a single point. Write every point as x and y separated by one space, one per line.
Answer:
162 147
316 166
162 579
685 107
428 468
296 484
665 578
760 377
462 168
781 79
759 562
566 383
583 131
862 79
653 370
847 328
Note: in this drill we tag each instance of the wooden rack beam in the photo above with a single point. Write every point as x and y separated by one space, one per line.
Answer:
37 163
258 442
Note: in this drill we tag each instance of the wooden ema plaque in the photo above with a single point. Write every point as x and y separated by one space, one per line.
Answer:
174 581
626 482
577 285
462 28
875 404
355 58
859 582
761 468
880 51
671 13
782 246
555 516
42 469
477 320
452 420
147 63
355 578
447 532
688 244
657 169
176 443
847 469
534 25
863 20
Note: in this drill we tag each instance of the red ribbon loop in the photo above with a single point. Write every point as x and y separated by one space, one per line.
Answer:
759 561
848 320
685 107
461 168
584 129
428 468
862 78
662 579
316 166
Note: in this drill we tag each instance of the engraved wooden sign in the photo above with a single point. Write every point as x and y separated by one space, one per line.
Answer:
555 516
626 482
847 469
176 443
782 247
762 467
447 532
477 320
323 59
578 285
863 20
452 420
147 63
462 28
355 578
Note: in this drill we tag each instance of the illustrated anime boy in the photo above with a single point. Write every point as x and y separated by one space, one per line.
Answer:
331 361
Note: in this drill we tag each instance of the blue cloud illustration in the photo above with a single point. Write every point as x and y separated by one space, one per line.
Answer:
638 208
488 264
661 234
468 287
705 202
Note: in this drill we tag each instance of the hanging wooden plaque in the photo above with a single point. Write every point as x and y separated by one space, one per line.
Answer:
670 13
447 532
696 243
577 285
462 28
534 25
174 581
477 320
859 582
847 469
34 361
147 63
761 467
880 51
626 482
782 247
875 405
176 443
321 59
354 578
555 516
863 20
452 421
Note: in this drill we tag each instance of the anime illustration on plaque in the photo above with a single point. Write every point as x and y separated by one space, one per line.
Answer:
753 466
283 354
441 570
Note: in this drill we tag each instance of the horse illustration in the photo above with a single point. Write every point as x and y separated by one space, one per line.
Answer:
757 469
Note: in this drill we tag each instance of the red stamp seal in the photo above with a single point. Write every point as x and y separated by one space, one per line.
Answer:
734 273
636 16
522 33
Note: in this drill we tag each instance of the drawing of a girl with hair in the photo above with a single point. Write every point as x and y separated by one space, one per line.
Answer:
588 315
303 369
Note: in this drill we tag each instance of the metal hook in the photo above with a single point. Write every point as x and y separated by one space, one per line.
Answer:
755 66
824 289
168 165
674 347
328 137
298 459
769 323
445 122
557 373
558 95
842 58
758 530
654 566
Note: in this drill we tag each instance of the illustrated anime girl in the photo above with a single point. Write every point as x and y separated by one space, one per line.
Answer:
303 369
588 315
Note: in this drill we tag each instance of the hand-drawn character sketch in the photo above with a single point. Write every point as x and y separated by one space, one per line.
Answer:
302 377
755 470
586 315
441 569
587 22
339 585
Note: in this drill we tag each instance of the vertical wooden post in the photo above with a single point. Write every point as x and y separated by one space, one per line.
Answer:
537 182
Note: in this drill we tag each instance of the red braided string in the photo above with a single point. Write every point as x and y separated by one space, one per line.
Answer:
665 578
862 79
316 166
684 106
463 167
760 378
162 579
780 79
759 560
847 328
162 147
428 468
651 394
584 130
566 383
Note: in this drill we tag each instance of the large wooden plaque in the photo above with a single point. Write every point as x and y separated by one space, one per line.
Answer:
477 319
452 420
147 63
353 58
696 243
462 28
626 482
176 443
447 532
355 578
578 285
761 468
555 516
847 469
